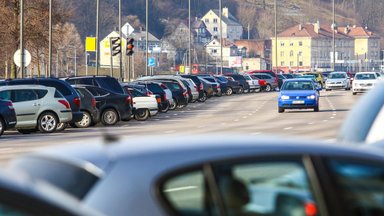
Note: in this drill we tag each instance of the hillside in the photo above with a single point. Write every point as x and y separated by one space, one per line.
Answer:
258 14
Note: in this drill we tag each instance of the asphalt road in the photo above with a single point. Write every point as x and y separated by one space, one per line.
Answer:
251 114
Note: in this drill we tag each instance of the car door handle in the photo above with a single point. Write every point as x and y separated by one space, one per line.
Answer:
36 104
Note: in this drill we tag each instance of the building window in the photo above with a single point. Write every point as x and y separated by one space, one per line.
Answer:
214 20
300 53
207 20
214 51
291 44
282 54
291 53
282 44
291 63
300 63
282 63
300 43
215 29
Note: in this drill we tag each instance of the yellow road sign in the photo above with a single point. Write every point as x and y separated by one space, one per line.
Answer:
90 44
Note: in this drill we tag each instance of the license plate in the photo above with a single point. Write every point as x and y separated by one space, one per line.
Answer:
298 102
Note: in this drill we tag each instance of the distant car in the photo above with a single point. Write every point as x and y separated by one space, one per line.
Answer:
244 86
282 78
105 82
113 107
233 175
37 107
215 84
198 83
207 90
271 84
253 83
7 115
228 85
298 94
91 115
363 81
337 80
318 77
179 94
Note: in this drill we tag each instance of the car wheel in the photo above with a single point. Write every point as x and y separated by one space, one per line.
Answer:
281 110
109 117
354 93
26 131
229 91
203 98
174 105
165 108
85 121
61 126
47 122
142 114
327 89
268 88
2 126
316 109
241 90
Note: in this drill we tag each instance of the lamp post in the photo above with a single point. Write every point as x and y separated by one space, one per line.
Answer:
146 37
333 36
121 40
221 37
50 41
189 36
97 35
21 38
275 8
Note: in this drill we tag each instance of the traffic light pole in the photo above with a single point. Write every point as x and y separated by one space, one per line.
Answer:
21 38
121 40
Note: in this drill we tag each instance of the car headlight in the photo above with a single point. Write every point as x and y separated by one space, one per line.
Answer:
284 97
311 97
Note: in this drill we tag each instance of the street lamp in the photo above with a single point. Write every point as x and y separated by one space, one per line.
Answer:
333 36
50 41
276 37
97 35
221 37
146 37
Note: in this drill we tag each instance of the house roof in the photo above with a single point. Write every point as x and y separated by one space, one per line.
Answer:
357 31
226 42
139 35
309 30
230 20
252 45
198 24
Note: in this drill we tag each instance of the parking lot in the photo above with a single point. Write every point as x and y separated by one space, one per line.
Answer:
249 114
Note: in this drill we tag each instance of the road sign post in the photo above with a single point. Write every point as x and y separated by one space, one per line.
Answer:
19 60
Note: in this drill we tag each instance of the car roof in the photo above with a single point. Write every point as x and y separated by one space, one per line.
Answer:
11 87
189 150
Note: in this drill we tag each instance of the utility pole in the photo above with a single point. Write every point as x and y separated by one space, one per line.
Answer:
50 41
333 36
121 47
277 69
248 31
97 35
21 38
146 37
189 33
221 37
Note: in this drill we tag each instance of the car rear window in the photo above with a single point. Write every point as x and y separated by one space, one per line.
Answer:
111 84
76 180
155 88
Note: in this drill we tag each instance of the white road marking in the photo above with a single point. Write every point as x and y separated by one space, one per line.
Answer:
6 149
236 120
311 123
255 133
288 128
170 131
332 117
325 120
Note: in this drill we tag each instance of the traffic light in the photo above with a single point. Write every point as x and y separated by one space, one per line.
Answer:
115 45
130 46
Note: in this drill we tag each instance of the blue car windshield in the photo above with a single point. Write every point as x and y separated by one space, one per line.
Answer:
298 85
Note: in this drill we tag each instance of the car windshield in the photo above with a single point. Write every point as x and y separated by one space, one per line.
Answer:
337 76
297 85
365 76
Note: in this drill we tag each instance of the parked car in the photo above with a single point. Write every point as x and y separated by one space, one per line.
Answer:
7 115
244 86
318 77
217 91
271 84
337 80
63 87
252 82
199 85
231 176
193 90
113 107
281 79
179 95
298 94
37 107
105 82
144 106
156 88
228 85
91 115
363 81
207 90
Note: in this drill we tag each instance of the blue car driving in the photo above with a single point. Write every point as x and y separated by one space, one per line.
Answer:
298 94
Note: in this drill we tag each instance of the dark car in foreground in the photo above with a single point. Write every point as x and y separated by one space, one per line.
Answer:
7 116
230 176
113 107
298 94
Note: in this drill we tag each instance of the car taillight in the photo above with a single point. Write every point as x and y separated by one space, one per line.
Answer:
10 105
164 97
184 93
197 89
201 86
149 93
76 100
129 100
158 100
65 103
262 82
93 102
310 209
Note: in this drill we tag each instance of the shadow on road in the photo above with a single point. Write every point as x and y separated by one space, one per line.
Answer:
311 110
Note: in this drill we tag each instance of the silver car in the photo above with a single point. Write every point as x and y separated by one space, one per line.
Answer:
337 80
37 107
210 176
